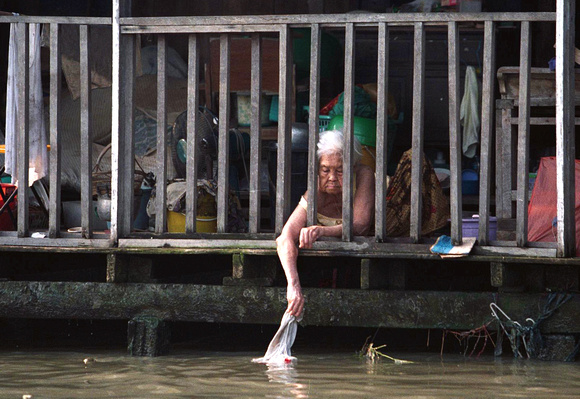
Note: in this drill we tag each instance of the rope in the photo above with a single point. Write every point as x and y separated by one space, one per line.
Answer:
529 336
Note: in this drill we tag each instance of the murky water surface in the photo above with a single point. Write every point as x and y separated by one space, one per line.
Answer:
223 374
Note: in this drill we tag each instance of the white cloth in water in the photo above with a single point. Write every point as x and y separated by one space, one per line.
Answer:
38 158
469 113
279 349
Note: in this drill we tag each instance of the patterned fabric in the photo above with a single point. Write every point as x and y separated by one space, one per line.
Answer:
435 205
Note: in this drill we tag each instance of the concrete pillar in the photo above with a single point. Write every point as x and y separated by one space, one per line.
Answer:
147 336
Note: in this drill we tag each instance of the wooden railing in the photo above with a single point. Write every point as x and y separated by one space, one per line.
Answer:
125 29
54 235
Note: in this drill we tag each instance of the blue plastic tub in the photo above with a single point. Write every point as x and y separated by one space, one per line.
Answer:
470 227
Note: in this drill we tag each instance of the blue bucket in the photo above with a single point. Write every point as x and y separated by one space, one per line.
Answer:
469 182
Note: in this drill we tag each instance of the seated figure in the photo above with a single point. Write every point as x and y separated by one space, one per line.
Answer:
296 234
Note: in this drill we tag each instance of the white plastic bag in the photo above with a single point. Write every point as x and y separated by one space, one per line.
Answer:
279 350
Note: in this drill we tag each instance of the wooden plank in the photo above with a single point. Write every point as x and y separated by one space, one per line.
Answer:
382 133
348 152
255 134
86 133
504 169
55 20
54 214
284 132
59 244
22 152
542 121
161 175
487 122
565 140
313 124
192 139
455 148
115 116
236 245
121 8
224 137
127 149
417 126
237 28
523 136
339 19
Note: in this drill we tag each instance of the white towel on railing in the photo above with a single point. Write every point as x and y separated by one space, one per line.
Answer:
38 158
469 113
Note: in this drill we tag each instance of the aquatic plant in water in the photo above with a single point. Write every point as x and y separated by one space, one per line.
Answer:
373 354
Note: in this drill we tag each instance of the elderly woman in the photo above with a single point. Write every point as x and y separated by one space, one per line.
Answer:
296 234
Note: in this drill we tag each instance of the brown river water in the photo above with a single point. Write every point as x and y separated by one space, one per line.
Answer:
196 374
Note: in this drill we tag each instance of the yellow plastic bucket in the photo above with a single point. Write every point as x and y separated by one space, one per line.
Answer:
203 224
206 224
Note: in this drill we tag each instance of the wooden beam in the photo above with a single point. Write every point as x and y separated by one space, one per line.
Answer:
224 135
87 211
161 175
487 124
313 121
455 147
348 152
284 151
565 131
22 135
523 136
417 134
54 214
192 123
255 134
382 133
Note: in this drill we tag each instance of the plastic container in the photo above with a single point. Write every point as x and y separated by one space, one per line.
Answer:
532 181
323 121
203 224
71 215
5 220
470 227
469 182
365 129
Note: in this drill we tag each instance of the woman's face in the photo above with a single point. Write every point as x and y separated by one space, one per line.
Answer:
330 174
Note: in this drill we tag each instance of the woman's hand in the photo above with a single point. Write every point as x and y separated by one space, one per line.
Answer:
295 300
308 235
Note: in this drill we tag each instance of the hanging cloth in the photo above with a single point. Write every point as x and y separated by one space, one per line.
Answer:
36 128
279 349
469 113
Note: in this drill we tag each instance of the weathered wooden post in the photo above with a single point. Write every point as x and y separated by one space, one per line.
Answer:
248 270
565 129
147 336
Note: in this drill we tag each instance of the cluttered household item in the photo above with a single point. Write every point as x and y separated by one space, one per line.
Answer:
279 350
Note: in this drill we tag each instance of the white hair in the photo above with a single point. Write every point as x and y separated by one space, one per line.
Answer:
332 142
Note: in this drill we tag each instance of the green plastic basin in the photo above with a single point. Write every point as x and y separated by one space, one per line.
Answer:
365 129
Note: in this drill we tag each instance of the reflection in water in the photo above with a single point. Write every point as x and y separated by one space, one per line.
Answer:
286 375
227 375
